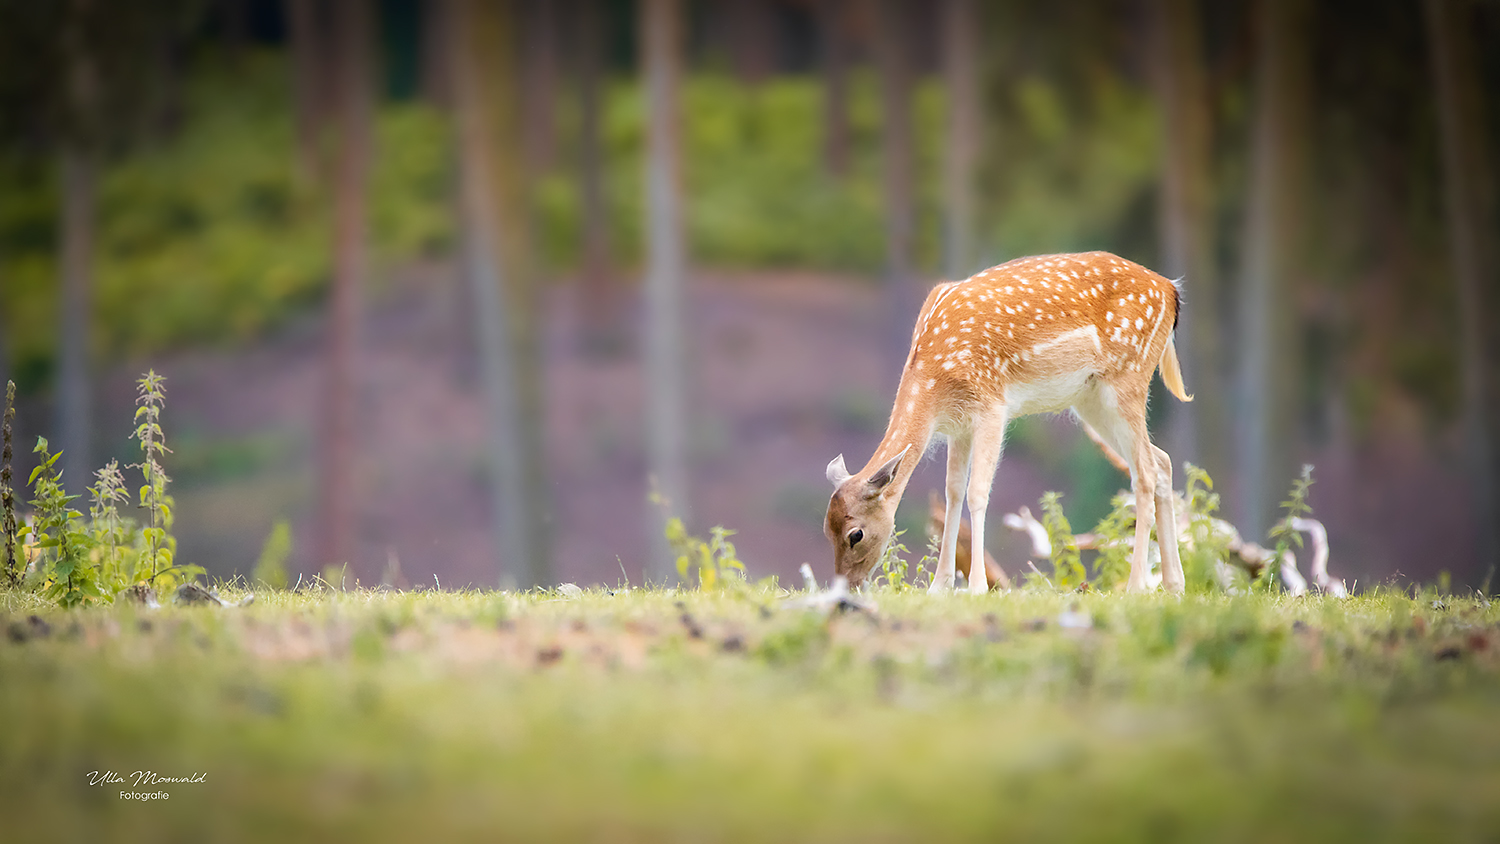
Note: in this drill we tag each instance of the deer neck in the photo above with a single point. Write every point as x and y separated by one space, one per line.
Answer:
910 430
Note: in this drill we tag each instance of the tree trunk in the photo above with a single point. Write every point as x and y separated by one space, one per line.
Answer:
1469 210
351 86
892 29
1198 430
666 422
235 18
1270 329
751 44
600 323
4 333
834 25
74 380
436 83
79 209
485 69
960 72
539 80
310 82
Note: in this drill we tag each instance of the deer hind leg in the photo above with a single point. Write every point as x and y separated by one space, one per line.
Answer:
1172 578
989 441
1120 420
959 448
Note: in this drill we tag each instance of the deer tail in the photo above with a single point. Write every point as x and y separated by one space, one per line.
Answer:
1171 371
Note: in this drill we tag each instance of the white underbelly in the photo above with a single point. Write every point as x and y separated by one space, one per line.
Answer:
1047 394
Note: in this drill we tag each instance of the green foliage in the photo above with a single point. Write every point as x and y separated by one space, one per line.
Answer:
69 578
161 547
1090 158
114 552
758 192
93 559
1286 536
1210 546
713 563
211 235
1067 565
8 530
1115 531
270 569
891 571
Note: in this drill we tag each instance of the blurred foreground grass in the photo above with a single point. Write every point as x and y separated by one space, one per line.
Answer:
654 715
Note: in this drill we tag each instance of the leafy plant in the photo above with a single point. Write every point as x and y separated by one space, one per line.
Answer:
68 577
1067 564
1286 536
892 570
7 495
1210 546
714 562
110 532
1115 532
160 546
270 569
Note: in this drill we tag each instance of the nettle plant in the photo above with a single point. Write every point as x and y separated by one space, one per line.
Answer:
715 562
1283 532
894 573
75 559
1067 562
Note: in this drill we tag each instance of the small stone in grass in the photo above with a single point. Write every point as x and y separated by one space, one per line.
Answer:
1074 618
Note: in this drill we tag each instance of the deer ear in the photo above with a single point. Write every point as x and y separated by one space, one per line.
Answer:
887 473
837 474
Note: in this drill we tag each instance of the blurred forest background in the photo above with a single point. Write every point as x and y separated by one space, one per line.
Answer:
442 284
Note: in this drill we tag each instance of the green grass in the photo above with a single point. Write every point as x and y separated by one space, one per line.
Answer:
485 715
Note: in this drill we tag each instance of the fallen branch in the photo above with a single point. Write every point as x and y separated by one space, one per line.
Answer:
1247 556
836 598
1319 534
1023 521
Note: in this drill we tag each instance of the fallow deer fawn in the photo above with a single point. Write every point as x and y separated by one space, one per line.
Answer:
1035 335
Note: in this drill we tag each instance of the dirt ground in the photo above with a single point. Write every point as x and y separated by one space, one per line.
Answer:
787 370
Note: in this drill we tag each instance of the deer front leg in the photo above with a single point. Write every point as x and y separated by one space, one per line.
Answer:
958 476
989 440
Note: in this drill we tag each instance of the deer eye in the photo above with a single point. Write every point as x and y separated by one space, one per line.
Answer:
855 536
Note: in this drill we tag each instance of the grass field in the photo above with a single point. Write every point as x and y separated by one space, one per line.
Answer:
654 715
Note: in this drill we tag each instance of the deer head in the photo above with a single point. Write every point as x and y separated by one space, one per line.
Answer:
861 516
